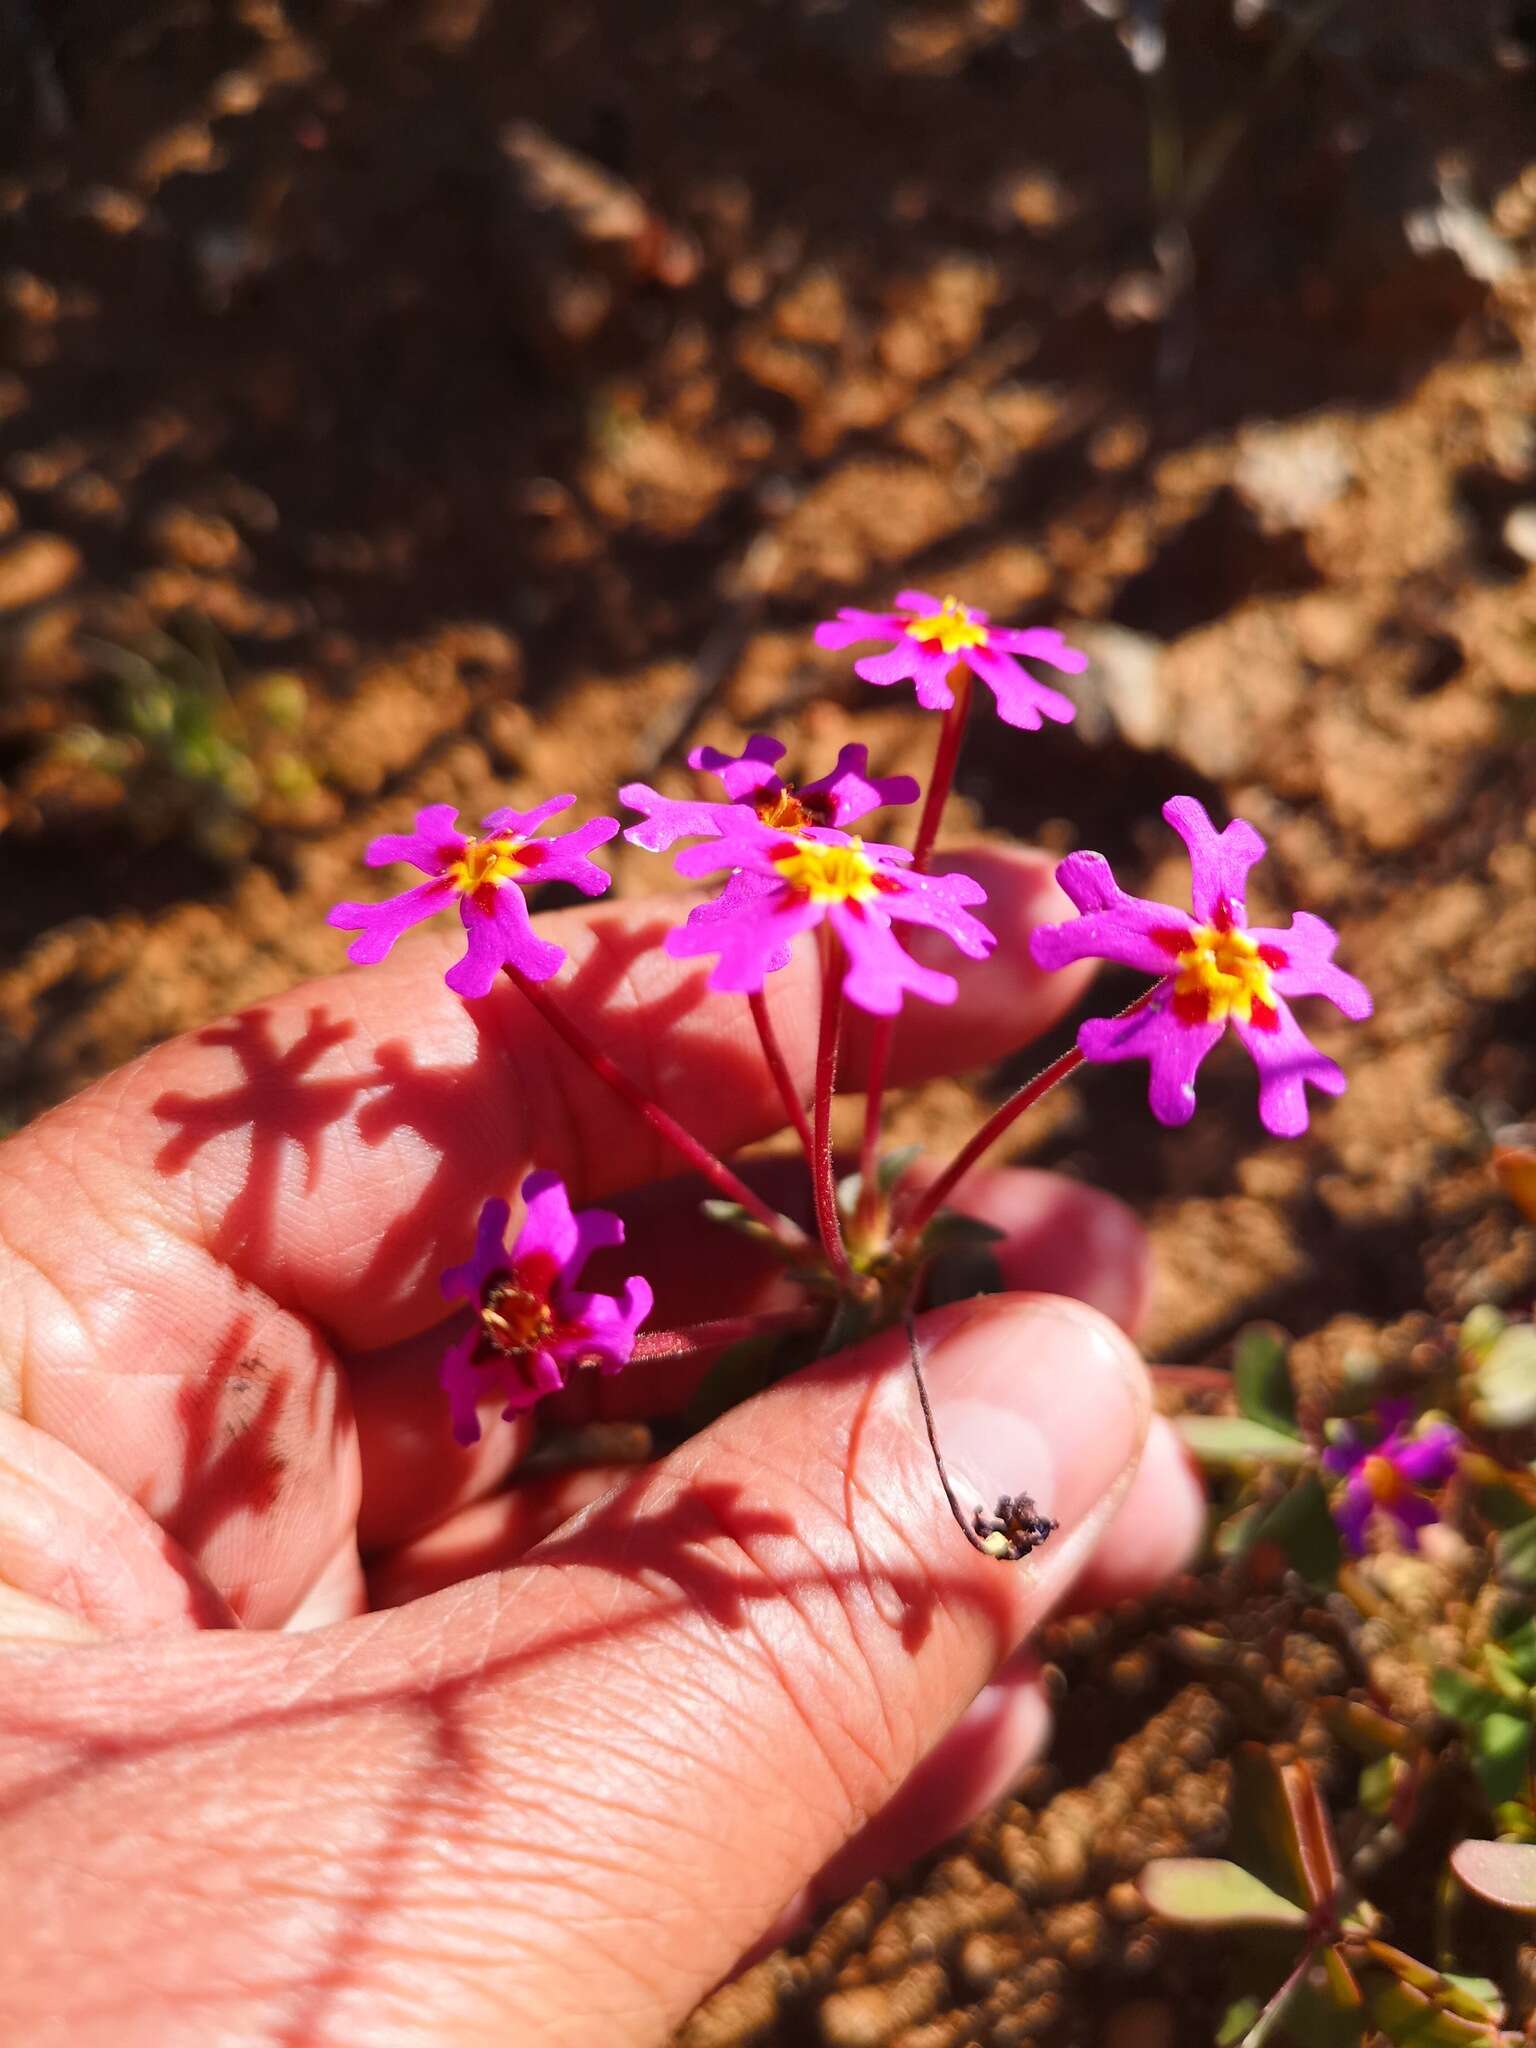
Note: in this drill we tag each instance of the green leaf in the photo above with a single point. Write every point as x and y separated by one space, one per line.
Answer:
1302 1524
1503 1873
1411 2019
950 1229
1478 1997
1236 2021
1519 1646
1504 1384
961 1275
1460 1696
1234 1440
1516 1554
734 1217
1378 1782
1503 1674
1480 1331
1503 1749
745 1369
1262 1377
1206 1891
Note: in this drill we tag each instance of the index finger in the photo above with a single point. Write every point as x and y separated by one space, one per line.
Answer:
330 1147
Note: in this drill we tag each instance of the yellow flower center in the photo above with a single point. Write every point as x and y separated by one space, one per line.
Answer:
828 874
486 863
1222 974
783 812
1383 1480
515 1321
954 626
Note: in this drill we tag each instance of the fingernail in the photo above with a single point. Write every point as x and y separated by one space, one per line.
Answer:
1042 1397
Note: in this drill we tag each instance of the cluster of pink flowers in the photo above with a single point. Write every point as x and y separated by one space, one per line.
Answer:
792 864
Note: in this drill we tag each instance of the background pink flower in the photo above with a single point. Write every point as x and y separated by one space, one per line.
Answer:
932 634
754 789
1217 972
486 877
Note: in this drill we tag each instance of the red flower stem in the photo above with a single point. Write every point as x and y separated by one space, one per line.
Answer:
696 1338
934 1197
822 1179
951 733
869 1156
778 1066
697 1154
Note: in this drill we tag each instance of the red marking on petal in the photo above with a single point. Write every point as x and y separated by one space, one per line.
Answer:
1194 1008
484 899
1222 916
1170 938
533 855
888 885
1274 956
1264 1018
536 1273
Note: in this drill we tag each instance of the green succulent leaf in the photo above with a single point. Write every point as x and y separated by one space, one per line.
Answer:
1503 1755
1504 1382
1519 1646
1207 1891
1460 1695
1503 1873
1262 1378
1481 1329
1220 1440
1302 1525
1516 1554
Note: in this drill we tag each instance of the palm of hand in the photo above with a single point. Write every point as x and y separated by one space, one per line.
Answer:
555 1792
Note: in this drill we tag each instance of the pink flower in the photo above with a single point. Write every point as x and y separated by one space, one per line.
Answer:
1390 1471
754 789
486 877
931 635
1217 972
783 886
535 1325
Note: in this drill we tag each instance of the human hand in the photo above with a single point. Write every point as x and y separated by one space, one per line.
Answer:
566 1771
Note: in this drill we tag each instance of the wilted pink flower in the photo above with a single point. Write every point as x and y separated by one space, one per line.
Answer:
784 886
1219 972
754 789
534 1323
932 634
1390 1471
486 877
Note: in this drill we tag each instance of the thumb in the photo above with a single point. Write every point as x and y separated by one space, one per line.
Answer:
577 1791
817 1622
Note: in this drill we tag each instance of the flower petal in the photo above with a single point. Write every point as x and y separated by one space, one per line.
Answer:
1430 1459
1173 1049
1287 1060
852 793
668 819
754 938
518 824
1039 643
602 1327
922 602
465 1383
1113 926
499 933
1022 701
380 925
1352 1512
852 625
938 901
563 858
1411 1514
745 773
1309 970
911 660
1218 861
464 1283
433 843
880 969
